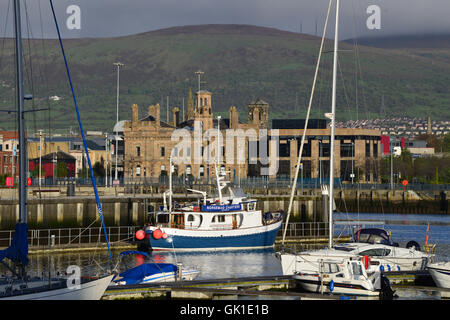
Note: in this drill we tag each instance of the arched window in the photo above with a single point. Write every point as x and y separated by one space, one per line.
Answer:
190 218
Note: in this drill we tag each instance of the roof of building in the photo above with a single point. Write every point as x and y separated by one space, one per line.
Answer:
161 123
56 155
258 101
224 124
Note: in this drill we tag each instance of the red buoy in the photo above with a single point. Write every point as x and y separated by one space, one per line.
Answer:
164 235
140 234
157 234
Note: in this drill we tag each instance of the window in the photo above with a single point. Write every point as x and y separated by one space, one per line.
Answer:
367 149
138 151
346 170
375 150
324 149
347 150
190 218
163 151
218 218
357 270
138 171
189 170
284 149
379 252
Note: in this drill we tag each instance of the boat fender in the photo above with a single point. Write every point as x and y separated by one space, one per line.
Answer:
164 235
140 234
389 267
381 268
157 234
331 286
366 261
398 268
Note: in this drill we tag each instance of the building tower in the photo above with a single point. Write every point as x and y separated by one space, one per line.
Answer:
203 109
258 113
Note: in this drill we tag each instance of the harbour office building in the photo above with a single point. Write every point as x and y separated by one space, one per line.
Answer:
148 145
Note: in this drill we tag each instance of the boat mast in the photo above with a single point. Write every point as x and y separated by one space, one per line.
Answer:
219 186
332 126
20 115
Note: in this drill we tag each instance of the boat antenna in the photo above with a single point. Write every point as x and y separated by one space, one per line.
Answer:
294 182
94 185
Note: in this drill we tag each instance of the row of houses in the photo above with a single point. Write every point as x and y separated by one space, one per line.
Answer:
49 151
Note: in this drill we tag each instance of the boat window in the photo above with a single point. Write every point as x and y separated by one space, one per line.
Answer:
190 218
343 248
356 268
162 218
378 252
330 268
220 218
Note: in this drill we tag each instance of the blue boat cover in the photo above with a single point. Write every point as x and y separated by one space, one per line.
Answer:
18 250
137 274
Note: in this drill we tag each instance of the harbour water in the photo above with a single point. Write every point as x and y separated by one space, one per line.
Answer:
252 263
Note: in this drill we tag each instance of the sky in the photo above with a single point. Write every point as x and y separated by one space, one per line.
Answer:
111 18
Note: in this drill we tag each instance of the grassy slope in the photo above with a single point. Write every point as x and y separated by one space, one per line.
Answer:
240 64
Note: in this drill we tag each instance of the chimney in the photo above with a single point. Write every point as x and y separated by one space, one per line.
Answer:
152 111
176 116
134 113
234 118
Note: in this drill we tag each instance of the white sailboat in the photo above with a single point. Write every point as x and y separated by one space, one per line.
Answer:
21 286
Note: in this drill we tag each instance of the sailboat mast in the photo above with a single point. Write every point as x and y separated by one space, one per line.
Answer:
20 115
332 126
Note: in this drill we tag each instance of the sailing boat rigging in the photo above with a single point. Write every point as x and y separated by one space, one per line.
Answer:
304 264
344 274
21 286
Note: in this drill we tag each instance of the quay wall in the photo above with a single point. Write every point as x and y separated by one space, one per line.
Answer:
52 208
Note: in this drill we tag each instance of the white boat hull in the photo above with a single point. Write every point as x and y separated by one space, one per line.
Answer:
313 283
92 290
440 272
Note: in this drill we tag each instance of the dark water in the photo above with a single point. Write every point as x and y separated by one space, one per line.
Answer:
251 263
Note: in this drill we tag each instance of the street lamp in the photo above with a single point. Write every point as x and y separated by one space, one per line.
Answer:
118 64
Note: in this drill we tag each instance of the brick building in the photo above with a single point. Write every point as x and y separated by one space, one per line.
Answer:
149 141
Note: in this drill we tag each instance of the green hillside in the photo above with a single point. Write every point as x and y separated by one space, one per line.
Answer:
240 63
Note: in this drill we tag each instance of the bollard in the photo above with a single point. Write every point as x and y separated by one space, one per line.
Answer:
179 274
52 243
